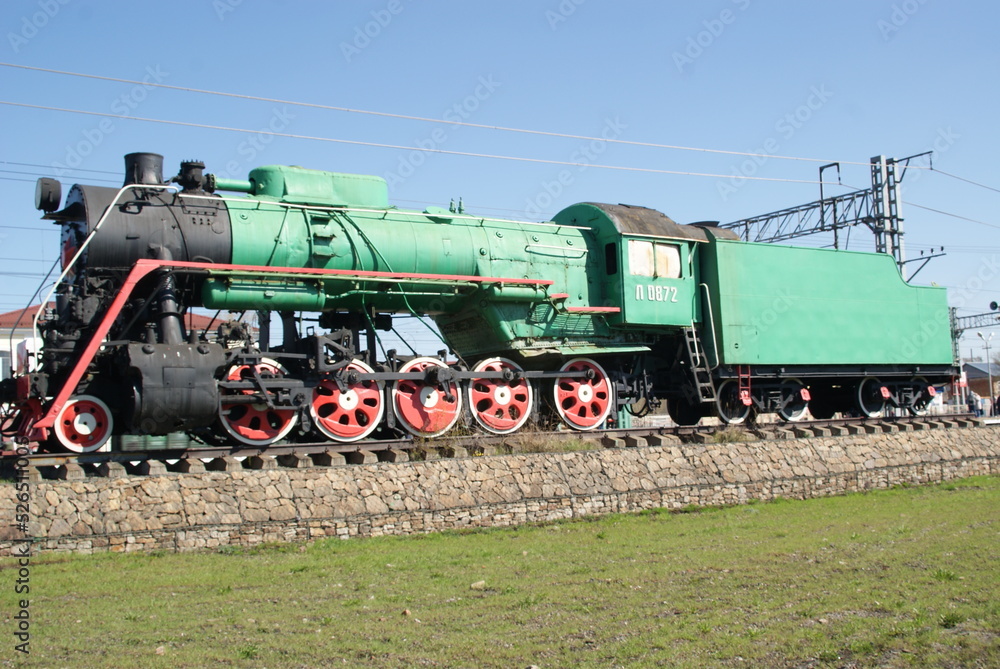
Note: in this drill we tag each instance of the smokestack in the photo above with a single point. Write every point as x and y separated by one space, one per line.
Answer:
144 168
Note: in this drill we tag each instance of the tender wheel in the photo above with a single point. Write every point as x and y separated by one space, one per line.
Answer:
84 425
583 403
350 415
920 402
822 408
871 397
256 424
795 408
729 404
500 406
422 408
682 412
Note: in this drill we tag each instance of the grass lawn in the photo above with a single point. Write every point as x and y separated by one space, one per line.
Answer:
902 578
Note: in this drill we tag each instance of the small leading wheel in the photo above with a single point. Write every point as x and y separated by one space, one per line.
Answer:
796 401
730 406
84 424
582 402
422 408
871 397
349 415
256 424
924 394
498 405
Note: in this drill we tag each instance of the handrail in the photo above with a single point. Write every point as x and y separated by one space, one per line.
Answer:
711 322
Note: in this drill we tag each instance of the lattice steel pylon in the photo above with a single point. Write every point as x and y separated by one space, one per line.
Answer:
878 208
887 223
959 324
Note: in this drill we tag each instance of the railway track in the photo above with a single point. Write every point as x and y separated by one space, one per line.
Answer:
192 458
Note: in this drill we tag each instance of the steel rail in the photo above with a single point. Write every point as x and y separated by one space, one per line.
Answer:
474 444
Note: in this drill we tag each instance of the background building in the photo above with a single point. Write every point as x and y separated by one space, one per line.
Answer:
15 329
978 375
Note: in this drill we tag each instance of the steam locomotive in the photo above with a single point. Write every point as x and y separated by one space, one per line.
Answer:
607 310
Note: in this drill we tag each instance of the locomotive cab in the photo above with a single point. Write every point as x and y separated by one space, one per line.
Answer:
651 263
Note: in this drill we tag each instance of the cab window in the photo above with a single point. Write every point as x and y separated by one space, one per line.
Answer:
654 259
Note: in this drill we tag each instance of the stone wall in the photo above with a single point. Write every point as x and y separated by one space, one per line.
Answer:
189 511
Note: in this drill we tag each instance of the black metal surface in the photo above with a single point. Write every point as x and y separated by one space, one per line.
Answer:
186 228
144 168
944 372
191 176
48 194
175 384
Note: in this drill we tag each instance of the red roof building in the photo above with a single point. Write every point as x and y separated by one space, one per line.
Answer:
20 320
8 320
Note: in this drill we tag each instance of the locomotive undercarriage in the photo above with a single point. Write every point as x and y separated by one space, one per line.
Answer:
122 362
150 375
230 389
738 394
789 392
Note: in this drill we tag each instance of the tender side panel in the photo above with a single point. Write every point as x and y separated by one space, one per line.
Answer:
778 305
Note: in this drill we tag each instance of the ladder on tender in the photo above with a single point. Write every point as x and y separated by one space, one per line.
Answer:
700 373
743 375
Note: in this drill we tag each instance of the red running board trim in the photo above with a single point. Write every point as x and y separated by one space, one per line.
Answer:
143 268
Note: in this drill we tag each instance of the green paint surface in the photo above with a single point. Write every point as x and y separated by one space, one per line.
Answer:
787 306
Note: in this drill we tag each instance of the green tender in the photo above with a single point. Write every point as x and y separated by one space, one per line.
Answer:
780 305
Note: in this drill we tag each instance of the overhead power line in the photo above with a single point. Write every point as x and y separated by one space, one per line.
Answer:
25 227
938 211
48 167
968 181
23 275
399 147
945 213
424 119
45 174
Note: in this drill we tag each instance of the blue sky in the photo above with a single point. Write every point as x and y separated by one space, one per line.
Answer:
838 81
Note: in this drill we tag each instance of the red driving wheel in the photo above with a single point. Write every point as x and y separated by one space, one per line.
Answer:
349 415
583 403
422 408
256 424
500 406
